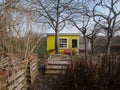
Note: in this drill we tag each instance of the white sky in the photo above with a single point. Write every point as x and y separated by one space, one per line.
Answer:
65 30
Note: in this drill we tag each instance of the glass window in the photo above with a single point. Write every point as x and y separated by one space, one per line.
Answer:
63 43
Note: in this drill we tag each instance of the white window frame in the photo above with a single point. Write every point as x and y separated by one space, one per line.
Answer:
63 43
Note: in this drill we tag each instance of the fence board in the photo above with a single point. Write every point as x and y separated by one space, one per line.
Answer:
16 76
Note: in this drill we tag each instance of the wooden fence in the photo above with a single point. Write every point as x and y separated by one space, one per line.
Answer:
16 79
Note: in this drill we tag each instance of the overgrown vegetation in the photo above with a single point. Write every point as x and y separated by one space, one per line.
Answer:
86 75
42 50
92 76
23 23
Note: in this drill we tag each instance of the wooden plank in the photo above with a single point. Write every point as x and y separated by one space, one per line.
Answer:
58 62
61 59
33 73
20 80
20 86
12 78
3 65
32 69
33 64
54 71
55 67
58 57
11 87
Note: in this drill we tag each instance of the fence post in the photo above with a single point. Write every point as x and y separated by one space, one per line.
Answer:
28 76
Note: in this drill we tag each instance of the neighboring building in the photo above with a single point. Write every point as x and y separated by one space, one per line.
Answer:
82 45
68 41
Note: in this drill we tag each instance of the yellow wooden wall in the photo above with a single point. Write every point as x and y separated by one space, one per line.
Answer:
51 43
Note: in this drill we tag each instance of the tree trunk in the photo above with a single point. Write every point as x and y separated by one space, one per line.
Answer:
57 29
56 42
92 46
108 58
86 49
108 47
108 44
108 61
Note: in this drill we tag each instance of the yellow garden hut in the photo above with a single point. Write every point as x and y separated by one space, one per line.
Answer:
68 42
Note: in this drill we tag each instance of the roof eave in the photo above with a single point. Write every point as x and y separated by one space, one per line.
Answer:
64 33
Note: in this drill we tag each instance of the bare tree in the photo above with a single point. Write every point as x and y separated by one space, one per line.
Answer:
7 23
16 28
92 36
81 20
54 13
106 13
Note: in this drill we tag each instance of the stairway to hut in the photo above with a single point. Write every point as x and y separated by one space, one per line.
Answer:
57 64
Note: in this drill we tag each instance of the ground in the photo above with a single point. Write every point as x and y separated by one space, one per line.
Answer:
45 82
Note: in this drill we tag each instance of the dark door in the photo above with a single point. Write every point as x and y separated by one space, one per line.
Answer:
74 43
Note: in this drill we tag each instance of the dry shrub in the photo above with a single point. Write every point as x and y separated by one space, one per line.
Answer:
92 76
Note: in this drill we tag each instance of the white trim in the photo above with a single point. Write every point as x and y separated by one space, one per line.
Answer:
64 33
78 44
47 43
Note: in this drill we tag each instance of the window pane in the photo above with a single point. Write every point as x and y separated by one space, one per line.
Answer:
63 43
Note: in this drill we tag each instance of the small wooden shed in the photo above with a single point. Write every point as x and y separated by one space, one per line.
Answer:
68 41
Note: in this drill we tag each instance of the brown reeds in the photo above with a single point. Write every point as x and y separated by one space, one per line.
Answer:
98 75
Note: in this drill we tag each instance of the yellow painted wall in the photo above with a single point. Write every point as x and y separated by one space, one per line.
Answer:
51 43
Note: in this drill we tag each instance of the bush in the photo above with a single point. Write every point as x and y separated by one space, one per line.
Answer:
42 52
92 76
